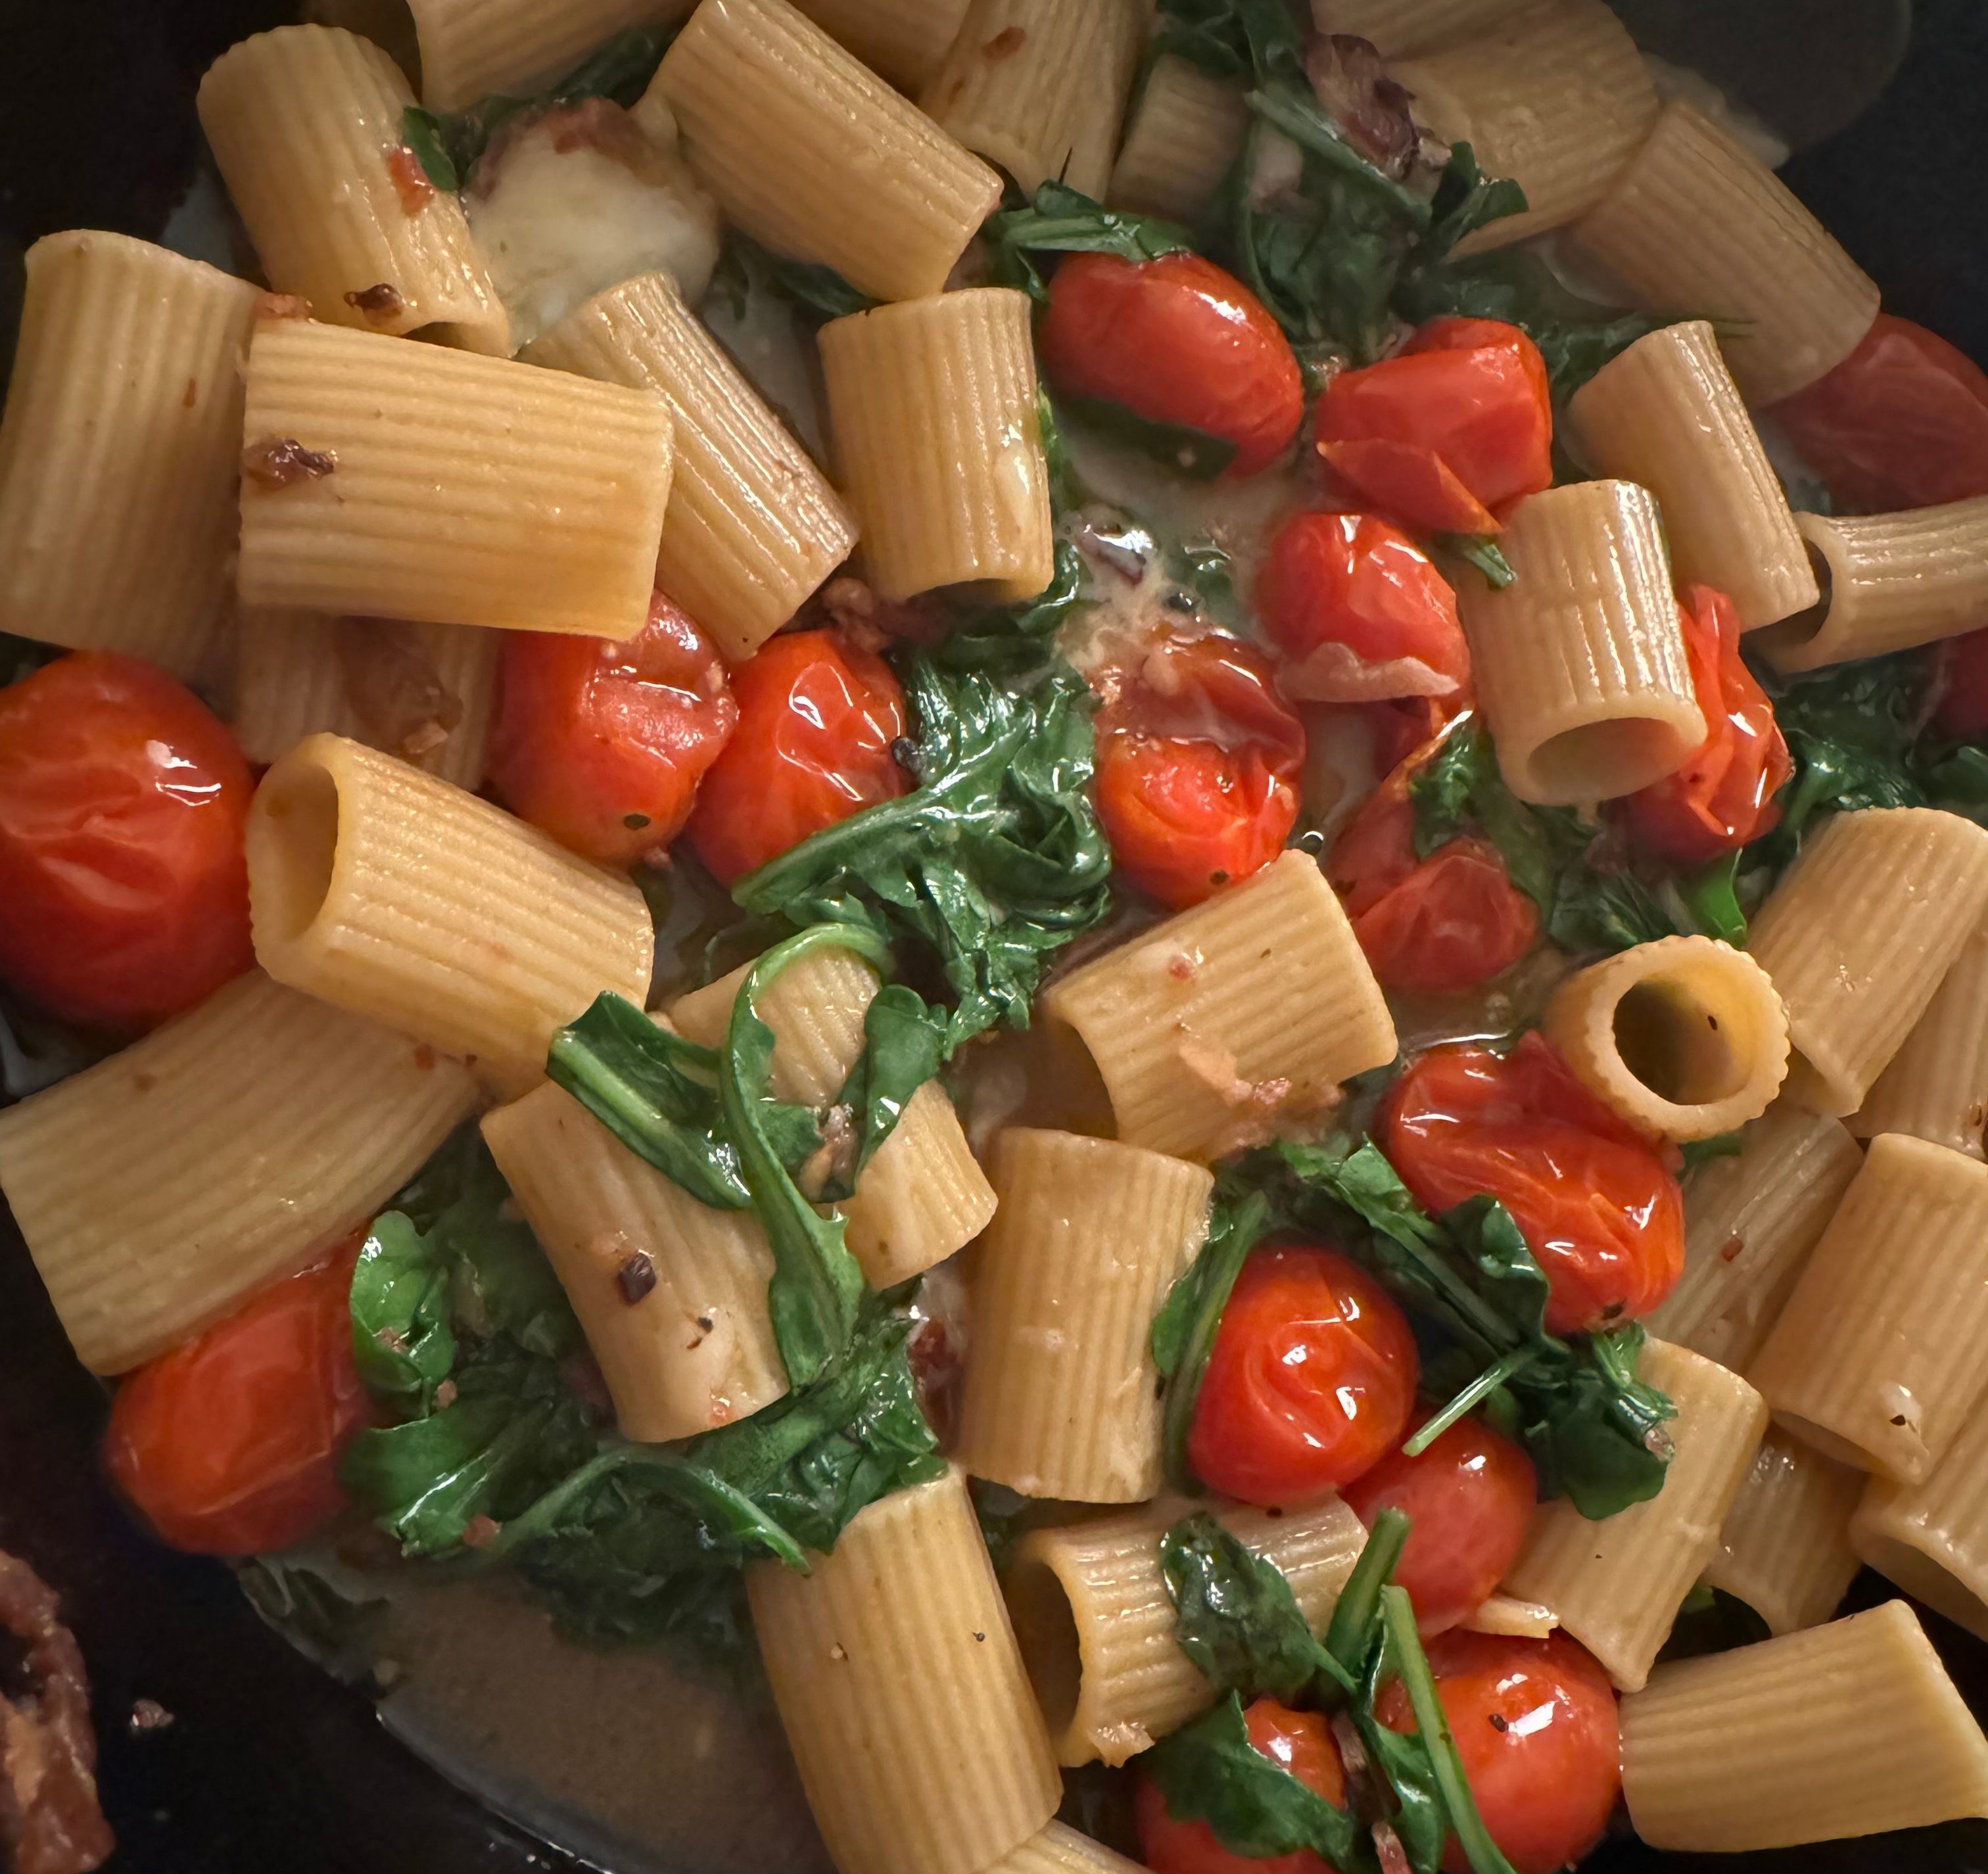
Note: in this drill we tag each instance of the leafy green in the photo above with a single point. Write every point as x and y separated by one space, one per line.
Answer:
337 1631
1698 1152
1018 640
1183 1330
904 1041
1058 219
1192 454
817 291
1482 552
402 1340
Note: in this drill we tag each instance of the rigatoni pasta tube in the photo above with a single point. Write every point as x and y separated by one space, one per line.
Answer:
1931 1538
1684 1038
1399 28
391 893
670 1293
1667 414
157 1189
1096 1624
1061 1850
1581 661
423 692
471 49
1890 581
119 449
1936 1085
1784 1549
809 151
897 1678
752 526
1750 1221
1185 132
933 406
1697 222
1875 1360
1061 1398
905 41
1215 1025
1859 933
1850 1729
305 123
1615 1586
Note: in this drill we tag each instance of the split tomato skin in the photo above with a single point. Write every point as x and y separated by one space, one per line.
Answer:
1962 668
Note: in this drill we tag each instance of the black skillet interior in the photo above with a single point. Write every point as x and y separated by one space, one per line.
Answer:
269 1764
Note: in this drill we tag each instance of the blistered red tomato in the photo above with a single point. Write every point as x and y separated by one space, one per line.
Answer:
602 744
1177 341
1902 422
1359 613
1592 1197
1199 759
817 716
229 1444
124 884
1722 797
1468 1498
1535 1722
1962 710
1311 1379
1297 1741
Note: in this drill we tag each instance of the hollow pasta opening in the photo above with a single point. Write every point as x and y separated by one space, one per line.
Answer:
1598 760
1924 1579
1686 1045
1804 627
299 807
1046 1630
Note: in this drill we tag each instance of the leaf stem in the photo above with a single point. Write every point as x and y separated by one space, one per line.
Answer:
1479 1389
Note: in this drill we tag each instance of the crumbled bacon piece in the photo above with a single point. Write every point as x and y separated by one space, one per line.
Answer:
282 461
411 180
870 623
636 1279
381 300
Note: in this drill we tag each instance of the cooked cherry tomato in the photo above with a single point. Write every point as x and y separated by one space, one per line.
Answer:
1298 1741
817 716
1902 422
1198 761
1176 341
230 1443
1593 1198
1311 1378
1534 1720
1962 711
1430 926
1723 796
1458 423
123 886
1469 1499
603 744
1359 613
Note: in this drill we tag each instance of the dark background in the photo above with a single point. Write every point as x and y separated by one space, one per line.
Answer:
269 1767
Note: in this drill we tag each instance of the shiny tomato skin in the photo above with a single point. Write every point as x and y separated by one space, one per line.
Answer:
1359 613
1411 482
1198 762
123 881
1902 422
1177 341
1962 710
1593 1198
1470 1499
602 743
817 716
1311 1380
1722 797
1546 1775
1298 1741
229 1444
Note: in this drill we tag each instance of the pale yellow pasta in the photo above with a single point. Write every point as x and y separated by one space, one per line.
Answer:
1096 1625
1507 1615
1850 1729
905 41
119 447
933 406
1858 934
472 49
1246 1010
400 480
305 123
1931 1538
898 1680
1750 1221
922 1195
1698 223
1615 1585
1185 132
752 526
423 692
1785 1547
670 1293
393 894
1684 1038
1062 1398
1555 96
1667 414
809 151
1936 1085
1580 661
227 1148
1399 28
1890 581
1875 1360
1061 1850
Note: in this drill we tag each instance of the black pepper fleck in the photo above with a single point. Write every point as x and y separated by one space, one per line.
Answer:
1498 1723
634 822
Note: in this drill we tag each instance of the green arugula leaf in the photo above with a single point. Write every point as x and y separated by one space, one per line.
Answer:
402 1341
1192 454
1711 901
336 1631
1058 219
1698 1152
1018 640
818 291
1596 1432
1482 552
904 1043
1183 1330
